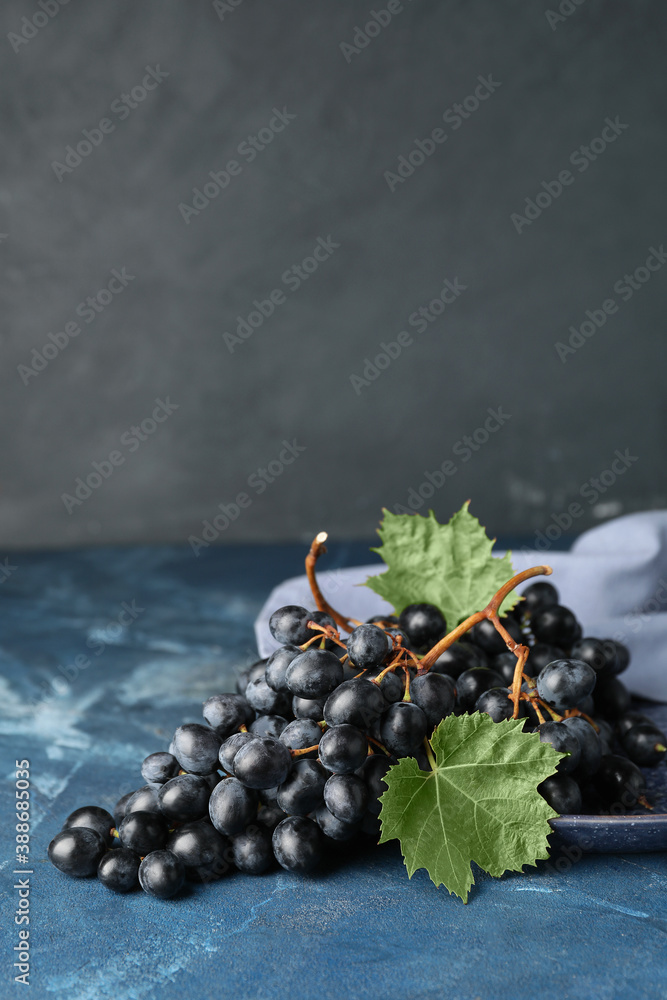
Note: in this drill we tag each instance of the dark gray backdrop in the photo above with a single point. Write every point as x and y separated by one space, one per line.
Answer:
555 79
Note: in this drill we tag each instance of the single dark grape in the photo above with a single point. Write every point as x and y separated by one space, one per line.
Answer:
539 655
611 697
368 646
159 767
252 851
92 818
458 657
496 703
268 725
265 700
196 747
77 851
621 657
145 799
232 806
589 746
423 623
226 712
564 683
346 796
435 694
403 728
276 667
619 782
143 832
297 844
262 763
118 870
487 636
555 625
300 734
314 674
334 828
562 793
387 620
161 874
288 625
303 789
565 741
538 596
184 798
343 749
357 702
644 744
392 685
230 748
204 852
474 682
593 652
373 771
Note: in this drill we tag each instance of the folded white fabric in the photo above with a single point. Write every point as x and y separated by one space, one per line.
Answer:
614 579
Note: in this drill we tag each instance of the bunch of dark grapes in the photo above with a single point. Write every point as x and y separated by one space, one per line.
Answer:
293 763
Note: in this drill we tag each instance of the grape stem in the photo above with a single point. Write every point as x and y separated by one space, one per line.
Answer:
429 754
317 549
491 612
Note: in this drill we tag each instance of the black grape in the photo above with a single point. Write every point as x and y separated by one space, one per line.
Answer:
555 625
265 700
424 624
358 702
539 596
368 646
619 782
262 763
159 767
564 740
644 744
496 703
487 636
539 655
184 798
334 828
77 851
143 832
472 683
252 850
346 796
589 746
314 674
297 844
161 874
268 725
372 771
118 870
232 806
231 747
564 683
196 747
308 708
204 852
277 664
343 749
458 657
562 793
403 728
435 694
226 712
303 789
92 818
300 734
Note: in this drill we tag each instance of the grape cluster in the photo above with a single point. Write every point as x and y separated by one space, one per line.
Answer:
294 760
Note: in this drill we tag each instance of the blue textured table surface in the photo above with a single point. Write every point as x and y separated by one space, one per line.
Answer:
359 928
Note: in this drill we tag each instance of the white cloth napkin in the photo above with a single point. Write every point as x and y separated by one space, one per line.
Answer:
614 579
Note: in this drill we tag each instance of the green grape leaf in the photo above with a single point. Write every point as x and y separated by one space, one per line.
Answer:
449 565
480 803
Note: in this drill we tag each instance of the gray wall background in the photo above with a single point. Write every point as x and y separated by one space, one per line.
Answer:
324 175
